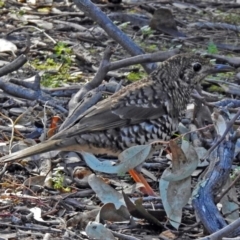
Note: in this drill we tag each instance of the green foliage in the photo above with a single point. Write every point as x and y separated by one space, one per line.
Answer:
226 17
181 137
148 47
212 48
2 3
235 173
151 48
21 12
232 18
226 75
222 76
146 30
214 88
123 175
62 50
44 9
56 66
124 25
58 182
136 75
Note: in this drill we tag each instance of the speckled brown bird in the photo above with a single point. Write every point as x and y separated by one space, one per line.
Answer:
140 113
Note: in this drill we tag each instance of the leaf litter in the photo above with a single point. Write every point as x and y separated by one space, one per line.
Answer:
29 183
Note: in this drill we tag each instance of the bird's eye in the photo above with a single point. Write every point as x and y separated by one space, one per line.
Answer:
197 67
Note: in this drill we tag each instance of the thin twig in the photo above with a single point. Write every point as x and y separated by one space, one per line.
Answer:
12 132
229 125
228 189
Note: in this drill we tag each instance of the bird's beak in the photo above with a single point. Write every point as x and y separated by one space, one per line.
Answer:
220 68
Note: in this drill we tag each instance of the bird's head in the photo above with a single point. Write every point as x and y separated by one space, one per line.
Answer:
192 69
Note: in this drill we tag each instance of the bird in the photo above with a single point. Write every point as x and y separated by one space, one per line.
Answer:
139 113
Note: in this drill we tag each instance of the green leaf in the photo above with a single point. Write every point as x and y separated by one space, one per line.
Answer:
212 48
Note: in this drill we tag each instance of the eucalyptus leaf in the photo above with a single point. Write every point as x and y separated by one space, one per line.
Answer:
96 230
129 159
186 162
105 192
175 196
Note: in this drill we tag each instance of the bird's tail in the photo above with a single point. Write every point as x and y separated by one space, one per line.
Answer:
37 149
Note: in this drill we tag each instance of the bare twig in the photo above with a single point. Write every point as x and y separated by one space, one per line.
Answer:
151 57
112 30
229 126
12 132
14 65
96 81
226 231
227 189
36 28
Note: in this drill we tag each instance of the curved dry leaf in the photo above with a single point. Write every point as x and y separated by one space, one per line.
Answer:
98 231
46 166
37 215
108 212
184 162
191 155
133 156
219 122
71 158
137 210
105 192
175 196
35 180
41 24
201 152
17 111
7 46
95 164
133 188
168 234
83 218
130 158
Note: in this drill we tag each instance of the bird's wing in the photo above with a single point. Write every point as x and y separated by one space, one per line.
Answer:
133 104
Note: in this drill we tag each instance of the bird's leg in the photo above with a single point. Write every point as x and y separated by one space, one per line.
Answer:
138 177
103 165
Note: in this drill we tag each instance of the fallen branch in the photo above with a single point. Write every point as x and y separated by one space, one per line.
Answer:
112 30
